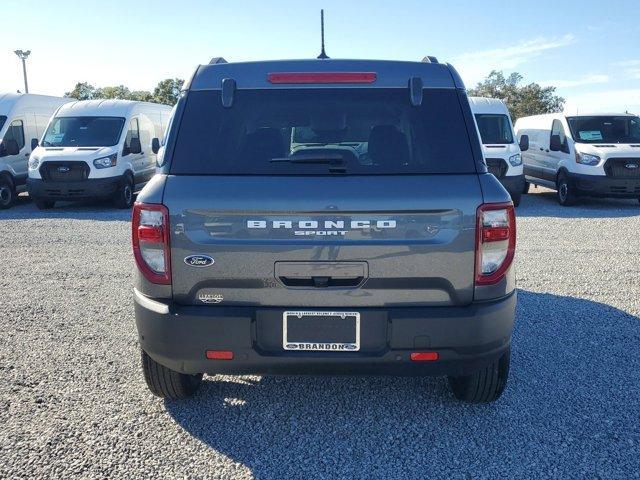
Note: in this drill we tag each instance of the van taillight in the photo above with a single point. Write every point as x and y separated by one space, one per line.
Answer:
495 241
150 239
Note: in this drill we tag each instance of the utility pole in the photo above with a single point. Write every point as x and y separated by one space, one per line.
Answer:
23 56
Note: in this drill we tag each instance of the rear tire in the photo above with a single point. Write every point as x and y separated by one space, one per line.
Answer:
44 204
566 195
166 383
124 195
526 188
515 198
7 192
485 385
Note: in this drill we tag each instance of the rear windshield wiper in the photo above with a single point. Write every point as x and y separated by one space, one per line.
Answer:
312 158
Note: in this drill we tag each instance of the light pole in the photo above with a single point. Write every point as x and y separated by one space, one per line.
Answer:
23 56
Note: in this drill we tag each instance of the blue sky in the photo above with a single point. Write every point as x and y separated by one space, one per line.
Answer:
590 50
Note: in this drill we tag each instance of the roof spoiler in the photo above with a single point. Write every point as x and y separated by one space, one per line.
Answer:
216 60
430 59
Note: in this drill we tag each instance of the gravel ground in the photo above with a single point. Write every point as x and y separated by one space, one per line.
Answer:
73 403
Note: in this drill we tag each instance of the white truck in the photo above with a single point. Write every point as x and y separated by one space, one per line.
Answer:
23 118
96 149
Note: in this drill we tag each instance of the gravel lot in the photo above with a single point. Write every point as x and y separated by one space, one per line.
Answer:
73 402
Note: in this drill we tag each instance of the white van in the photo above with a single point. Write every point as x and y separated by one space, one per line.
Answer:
583 155
23 118
97 149
500 150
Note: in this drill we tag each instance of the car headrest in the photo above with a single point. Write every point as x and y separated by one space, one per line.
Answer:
263 145
388 146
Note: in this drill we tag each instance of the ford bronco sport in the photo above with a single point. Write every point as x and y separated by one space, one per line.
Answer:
324 217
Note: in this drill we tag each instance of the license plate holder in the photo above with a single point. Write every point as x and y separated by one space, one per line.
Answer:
321 331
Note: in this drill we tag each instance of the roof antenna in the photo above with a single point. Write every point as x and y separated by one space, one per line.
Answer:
322 55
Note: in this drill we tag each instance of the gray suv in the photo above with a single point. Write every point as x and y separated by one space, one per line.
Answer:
324 217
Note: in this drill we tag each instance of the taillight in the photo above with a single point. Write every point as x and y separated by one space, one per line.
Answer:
322 77
150 239
495 242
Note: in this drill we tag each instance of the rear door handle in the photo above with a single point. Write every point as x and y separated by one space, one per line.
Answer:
27 154
321 282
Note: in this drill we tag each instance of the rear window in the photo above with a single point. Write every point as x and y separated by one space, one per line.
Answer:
321 131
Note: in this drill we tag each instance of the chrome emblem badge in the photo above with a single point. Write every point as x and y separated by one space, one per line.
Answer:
199 260
632 166
63 169
210 298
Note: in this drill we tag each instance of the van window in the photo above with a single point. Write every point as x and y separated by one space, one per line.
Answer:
494 129
605 129
15 132
558 129
133 132
319 131
83 132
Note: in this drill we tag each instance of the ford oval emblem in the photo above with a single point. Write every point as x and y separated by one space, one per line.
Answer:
63 169
632 166
199 260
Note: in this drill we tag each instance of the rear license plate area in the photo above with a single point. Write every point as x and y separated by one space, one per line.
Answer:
324 331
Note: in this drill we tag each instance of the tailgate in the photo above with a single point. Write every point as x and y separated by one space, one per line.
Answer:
323 241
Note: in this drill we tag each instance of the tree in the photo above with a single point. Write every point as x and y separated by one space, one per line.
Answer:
119 92
530 99
141 96
82 91
168 91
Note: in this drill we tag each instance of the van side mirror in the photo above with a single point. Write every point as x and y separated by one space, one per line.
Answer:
135 146
11 147
34 143
524 143
155 145
555 144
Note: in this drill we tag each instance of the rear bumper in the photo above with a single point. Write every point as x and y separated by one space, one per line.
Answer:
466 339
85 189
601 186
513 184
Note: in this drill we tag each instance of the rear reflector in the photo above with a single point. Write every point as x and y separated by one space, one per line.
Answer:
425 356
151 234
219 354
322 77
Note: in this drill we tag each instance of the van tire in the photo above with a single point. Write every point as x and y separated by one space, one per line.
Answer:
485 385
7 192
526 187
566 195
166 383
124 195
515 198
44 204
